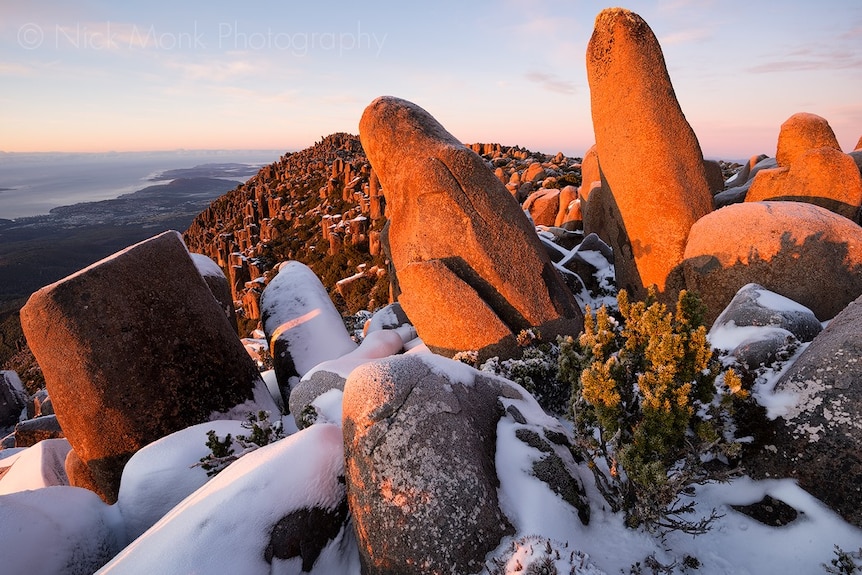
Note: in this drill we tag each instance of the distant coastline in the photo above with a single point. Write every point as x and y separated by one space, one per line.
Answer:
33 184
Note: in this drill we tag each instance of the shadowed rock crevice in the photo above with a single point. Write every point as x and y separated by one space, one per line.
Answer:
489 294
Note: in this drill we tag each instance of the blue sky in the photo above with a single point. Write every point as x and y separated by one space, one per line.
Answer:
97 75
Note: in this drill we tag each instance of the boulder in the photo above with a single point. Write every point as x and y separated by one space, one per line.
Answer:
802 132
755 306
534 173
590 173
218 284
133 348
822 176
419 440
543 205
301 324
760 327
815 435
57 529
739 189
13 398
651 161
448 210
569 214
32 431
278 509
746 172
801 251
388 317
714 176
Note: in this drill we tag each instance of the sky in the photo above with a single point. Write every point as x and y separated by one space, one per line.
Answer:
98 75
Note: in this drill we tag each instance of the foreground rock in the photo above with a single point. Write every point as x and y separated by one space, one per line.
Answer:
762 327
298 518
801 251
470 268
133 348
419 452
816 436
651 163
421 455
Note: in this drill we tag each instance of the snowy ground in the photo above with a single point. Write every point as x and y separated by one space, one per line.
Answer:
172 518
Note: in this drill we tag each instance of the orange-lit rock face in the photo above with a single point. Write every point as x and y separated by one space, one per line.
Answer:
801 251
650 158
823 176
445 205
589 173
802 132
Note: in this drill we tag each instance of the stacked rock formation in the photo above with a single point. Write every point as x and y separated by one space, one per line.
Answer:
646 213
482 276
811 168
133 348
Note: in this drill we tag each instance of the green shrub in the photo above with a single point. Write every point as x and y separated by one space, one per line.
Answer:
643 401
223 451
537 370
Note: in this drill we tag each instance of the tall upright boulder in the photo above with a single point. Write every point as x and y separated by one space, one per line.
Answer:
651 162
452 219
134 348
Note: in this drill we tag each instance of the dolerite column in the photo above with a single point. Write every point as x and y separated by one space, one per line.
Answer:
134 348
651 162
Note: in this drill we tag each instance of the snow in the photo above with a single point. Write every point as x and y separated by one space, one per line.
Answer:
728 336
206 267
43 465
163 473
296 306
56 530
225 526
772 300
376 345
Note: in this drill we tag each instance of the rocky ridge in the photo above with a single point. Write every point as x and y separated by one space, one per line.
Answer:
324 206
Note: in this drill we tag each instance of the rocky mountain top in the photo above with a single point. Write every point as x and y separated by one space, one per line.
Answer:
433 440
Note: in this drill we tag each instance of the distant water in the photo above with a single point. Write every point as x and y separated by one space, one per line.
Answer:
33 184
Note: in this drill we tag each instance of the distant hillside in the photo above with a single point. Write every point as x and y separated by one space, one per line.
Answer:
323 206
40 250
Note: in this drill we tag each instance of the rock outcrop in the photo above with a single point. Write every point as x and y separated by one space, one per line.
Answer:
13 398
133 348
651 162
801 251
815 437
419 463
483 259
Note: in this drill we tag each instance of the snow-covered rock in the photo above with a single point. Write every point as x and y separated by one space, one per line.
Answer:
302 326
279 509
164 473
56 530
42 465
